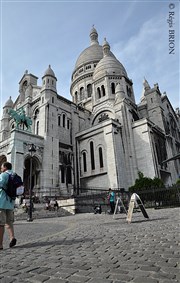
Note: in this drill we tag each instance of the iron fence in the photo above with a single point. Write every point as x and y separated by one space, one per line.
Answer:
160 197
151 198
87 199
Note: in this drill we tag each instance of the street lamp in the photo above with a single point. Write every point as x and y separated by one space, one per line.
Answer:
32 149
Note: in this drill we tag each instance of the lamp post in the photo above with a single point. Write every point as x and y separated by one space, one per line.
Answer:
32 148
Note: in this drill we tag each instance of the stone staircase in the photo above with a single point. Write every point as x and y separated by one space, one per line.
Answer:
39 212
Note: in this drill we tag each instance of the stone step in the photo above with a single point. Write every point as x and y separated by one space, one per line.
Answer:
39 213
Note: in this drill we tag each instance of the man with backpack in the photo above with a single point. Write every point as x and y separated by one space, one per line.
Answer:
6 206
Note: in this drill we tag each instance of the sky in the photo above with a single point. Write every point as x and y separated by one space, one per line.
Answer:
34 34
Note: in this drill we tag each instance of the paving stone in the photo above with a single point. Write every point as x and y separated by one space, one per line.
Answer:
76 278
122 277
96 280
38 278
150 268
57 281
24 275
118 271
144 280
163 276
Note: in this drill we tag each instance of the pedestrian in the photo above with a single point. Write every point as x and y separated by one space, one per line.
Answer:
6 206
56 205
111 199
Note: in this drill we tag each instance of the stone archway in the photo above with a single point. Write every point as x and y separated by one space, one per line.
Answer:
35 175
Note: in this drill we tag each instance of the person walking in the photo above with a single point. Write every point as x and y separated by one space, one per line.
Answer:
6 206
111 198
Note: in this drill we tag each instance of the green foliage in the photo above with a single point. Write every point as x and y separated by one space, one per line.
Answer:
158 183
142 183
178 182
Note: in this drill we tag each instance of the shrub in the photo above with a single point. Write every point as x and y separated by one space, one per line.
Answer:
142 183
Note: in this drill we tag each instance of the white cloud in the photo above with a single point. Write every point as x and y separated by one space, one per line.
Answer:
146 54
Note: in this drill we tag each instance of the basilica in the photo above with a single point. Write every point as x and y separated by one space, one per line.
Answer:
100 139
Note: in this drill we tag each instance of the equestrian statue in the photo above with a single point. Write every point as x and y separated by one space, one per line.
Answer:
21 119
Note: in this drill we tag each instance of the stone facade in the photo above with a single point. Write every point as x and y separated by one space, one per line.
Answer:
101 138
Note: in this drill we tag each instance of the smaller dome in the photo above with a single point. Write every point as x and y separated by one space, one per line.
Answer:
9 103
108 64
49 72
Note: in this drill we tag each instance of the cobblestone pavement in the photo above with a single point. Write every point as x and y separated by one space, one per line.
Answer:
95 249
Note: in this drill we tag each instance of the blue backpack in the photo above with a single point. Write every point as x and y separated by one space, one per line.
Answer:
15 186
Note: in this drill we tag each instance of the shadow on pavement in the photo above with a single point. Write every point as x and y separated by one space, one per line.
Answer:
136 221
55 243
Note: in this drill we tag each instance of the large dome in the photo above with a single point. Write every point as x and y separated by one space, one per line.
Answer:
91 54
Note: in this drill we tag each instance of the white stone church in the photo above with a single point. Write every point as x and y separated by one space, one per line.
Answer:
101 138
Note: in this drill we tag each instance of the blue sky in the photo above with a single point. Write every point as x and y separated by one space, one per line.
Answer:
36 33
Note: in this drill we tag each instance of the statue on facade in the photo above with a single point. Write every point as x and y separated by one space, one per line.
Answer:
20 118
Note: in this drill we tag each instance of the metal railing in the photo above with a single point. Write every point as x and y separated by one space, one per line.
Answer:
160 197
86 199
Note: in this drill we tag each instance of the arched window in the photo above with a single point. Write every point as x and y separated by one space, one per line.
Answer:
92 155
64 120
113 88
68 124
75 97
103 90
89 90
36 114
84 162
59 120
81 93
62 175
25 84
36 122
69 176
128 91
37 128
173 126
101 158
99 92
135 116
